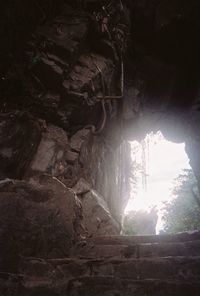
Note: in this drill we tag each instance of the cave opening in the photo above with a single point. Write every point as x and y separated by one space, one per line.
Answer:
163 192
79 82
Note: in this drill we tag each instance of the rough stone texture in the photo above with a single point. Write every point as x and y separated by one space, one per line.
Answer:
35 148
58 80
107 286
111 286
140 239
20 136
96 215
67 66
36 220
138 251
182 244
155 275
58 65
179 268
87 73
52 152
107 169
81 187
78 139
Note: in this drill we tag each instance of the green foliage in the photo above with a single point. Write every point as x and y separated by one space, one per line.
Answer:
140 222
130 226
183 212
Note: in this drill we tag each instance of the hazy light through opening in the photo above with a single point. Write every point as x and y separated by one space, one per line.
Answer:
165 161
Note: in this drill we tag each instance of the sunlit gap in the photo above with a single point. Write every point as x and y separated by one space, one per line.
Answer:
156 163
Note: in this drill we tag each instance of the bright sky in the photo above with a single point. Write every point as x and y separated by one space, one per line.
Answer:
165 162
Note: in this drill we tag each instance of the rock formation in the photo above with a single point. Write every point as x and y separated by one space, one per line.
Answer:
78 79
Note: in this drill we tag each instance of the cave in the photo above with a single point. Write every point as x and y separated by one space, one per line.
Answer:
160 173
79 80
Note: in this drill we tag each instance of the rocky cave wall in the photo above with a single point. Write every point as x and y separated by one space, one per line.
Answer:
71 98
64 165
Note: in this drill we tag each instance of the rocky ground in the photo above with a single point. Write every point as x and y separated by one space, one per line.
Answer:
113 265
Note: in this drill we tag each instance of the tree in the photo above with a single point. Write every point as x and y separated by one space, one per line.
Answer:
183 212
140 222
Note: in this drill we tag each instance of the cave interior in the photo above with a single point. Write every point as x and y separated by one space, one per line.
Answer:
78 81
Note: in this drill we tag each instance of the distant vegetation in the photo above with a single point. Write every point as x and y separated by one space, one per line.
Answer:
183 212
140 222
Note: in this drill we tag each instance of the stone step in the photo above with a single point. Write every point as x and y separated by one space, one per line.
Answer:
157 268
73 277
162 249
138 239
17 289
179 268
98 286
21 285
109 286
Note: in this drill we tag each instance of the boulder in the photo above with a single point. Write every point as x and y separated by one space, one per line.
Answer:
52 153
38 219
81 187
96 215
79 138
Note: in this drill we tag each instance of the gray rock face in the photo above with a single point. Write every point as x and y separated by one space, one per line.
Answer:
69 69
78 139
20 136
67 78
37 219
52 152
107 170
97 218
82 187
96 215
